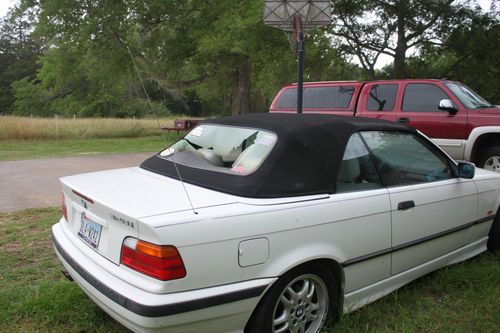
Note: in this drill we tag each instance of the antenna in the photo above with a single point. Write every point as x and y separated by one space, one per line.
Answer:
182 182
152 109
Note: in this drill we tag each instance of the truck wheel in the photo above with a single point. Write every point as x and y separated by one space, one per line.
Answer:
302 300
490 159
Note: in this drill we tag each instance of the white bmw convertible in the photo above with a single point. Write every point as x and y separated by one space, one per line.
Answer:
271 223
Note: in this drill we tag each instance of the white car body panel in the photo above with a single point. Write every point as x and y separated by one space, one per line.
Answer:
377 247
122 196
283 224
359 298
439 207
237 311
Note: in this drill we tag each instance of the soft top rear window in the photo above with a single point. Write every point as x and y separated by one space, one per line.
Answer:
333 97
228 149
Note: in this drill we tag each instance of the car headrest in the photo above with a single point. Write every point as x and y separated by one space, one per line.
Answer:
211 157
349 171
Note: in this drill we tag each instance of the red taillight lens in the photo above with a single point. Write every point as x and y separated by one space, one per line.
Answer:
64 208
163 262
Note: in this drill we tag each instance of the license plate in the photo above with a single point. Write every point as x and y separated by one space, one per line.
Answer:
90 232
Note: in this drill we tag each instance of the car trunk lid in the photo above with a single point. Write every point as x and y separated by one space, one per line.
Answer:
104 208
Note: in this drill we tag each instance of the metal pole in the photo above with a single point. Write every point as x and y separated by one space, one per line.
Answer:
300 63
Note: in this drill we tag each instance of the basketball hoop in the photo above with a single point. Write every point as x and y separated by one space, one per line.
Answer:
297 17
280 14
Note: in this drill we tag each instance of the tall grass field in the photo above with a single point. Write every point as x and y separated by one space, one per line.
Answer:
26 128
34 138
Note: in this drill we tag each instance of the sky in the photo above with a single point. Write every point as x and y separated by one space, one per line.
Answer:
4 6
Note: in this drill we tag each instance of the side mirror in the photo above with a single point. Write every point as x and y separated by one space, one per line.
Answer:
447 105
466 170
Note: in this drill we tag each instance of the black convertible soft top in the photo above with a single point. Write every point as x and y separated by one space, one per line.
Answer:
304 161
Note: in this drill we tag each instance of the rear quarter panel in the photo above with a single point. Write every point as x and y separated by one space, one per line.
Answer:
336 228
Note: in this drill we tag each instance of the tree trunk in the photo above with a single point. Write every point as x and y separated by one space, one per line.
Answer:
401 47
370 73
241 87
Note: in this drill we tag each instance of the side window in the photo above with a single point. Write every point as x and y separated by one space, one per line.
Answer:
381 97
328 97
338 97
403 159
288 99
357 171
423 97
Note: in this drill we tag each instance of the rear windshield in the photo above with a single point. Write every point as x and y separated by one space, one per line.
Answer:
335 97
235 150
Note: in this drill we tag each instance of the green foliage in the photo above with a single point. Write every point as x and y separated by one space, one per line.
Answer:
105 58
468 55
194 57
30 99
474 49
19 51
368 29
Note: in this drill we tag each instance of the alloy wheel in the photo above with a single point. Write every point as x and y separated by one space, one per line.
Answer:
302 306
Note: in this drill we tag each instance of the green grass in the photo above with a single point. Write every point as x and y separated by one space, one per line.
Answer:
34 149
461 298
35 297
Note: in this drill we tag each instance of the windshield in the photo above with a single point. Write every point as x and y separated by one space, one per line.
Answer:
467 96
228 149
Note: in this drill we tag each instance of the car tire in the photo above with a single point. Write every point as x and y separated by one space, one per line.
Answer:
490 159
494 235
304 297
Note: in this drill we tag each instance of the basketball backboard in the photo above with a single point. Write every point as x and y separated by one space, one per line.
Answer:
280 14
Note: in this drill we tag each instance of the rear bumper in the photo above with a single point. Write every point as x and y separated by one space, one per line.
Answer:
224 308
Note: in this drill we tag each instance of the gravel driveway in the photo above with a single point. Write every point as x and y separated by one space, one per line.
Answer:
35 183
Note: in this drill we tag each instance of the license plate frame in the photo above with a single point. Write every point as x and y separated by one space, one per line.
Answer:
90 231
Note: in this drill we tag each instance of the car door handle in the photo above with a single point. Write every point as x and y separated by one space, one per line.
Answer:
406 205
403 120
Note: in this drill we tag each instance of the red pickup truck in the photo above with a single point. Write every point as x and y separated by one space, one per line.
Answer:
460 121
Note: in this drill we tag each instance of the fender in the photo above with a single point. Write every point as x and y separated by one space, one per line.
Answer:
330 253
474 135
282 262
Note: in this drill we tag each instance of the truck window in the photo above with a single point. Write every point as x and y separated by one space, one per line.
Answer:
381 97
467 96
288 99
333 97
423 97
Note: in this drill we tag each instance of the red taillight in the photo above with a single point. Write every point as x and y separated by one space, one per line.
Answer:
163 262
64 208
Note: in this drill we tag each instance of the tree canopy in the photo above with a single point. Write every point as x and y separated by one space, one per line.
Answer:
139 57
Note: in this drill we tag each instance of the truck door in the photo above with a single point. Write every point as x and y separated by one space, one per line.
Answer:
420 109
378 100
